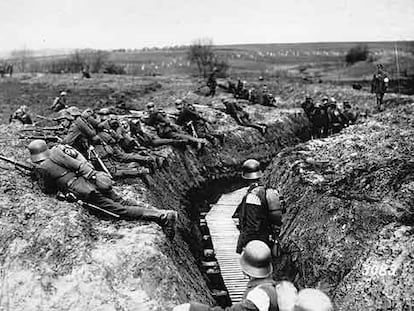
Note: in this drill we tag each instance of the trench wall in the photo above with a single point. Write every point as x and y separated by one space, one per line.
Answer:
348 227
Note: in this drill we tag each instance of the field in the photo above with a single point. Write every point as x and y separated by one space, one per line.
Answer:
349 197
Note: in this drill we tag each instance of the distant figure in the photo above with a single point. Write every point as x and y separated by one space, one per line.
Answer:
379 85
2 70
60 102
85 72
212 82
21 116
9 70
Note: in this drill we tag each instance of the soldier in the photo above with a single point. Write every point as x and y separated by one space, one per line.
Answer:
241 116
194 123
335 119
267 97
379 85
212 82
60 102
81 133
21 115
262 292
308 105
260 211
110 136
63 168
350 117
165 129
85 72
119 164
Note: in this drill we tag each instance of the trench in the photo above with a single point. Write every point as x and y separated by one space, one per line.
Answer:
198 202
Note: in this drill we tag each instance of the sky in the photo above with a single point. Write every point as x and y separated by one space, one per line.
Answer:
109 24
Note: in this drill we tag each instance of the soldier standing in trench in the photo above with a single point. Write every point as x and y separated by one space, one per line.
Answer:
262 292
260 211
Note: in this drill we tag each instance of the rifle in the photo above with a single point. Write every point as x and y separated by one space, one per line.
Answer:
92 151
47 128
26 166
71 198
54 139
193 131
44 118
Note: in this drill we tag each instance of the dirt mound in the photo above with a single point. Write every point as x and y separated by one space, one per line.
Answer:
350 202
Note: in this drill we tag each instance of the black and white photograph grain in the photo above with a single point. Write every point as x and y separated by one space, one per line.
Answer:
220 155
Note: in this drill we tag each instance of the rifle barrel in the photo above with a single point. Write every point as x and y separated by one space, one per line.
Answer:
28 167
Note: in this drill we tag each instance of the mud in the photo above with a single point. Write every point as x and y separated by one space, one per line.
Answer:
350 199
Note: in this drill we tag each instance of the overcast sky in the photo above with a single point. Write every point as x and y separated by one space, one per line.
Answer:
106 24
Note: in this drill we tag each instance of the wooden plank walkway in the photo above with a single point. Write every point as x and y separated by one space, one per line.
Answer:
224 235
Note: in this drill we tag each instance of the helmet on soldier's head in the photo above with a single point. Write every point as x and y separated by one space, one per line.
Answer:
150 105
325 99
104 111
386 80
63 93
256 259
39 150
251 169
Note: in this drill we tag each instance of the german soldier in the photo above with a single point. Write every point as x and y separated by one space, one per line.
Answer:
165 129
262 292
379 85
63 168
60 102
260 211
21 115
241 116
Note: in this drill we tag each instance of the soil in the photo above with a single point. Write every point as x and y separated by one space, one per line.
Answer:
349 203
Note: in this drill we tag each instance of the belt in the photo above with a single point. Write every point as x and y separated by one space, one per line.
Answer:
71 181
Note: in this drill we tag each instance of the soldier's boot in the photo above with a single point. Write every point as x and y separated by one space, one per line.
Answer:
167 219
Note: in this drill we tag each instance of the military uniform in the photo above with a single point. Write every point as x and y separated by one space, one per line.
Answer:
241 116
248 303
379 86
190 119
212 83
58 104
21 116
254 219
81 134
167 130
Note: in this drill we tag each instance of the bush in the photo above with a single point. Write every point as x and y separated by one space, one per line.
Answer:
114 69
356 54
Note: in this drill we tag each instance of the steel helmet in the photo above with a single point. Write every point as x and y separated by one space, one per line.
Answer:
38 150
251 169
104 111
386 80
74 111
150 105
256 259
63 93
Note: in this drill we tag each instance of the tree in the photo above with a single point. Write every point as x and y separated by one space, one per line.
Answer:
201 53
21 58
358 53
